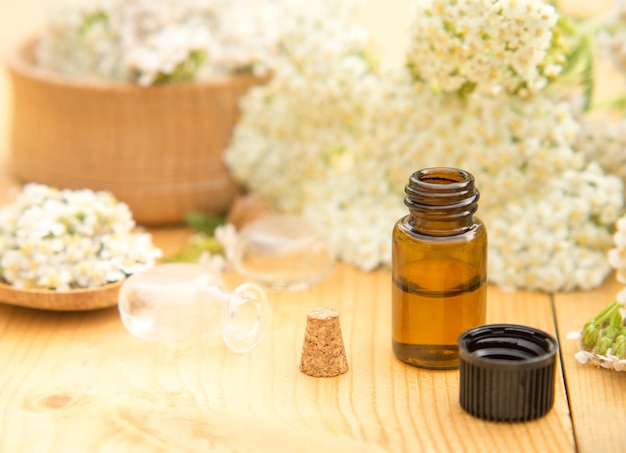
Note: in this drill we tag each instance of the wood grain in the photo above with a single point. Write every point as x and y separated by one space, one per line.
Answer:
81 382
597 396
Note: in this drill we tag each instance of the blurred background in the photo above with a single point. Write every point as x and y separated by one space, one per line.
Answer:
387 21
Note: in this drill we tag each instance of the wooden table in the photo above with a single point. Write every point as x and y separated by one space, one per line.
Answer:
79 382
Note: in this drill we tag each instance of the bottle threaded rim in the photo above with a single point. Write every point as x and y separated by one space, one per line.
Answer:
442 189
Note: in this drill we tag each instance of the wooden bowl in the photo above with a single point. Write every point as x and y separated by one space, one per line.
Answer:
159 148
72 300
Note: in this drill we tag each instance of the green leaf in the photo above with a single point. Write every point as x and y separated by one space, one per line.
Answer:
205 223
92 19
618 103
185 70
195 246
580 63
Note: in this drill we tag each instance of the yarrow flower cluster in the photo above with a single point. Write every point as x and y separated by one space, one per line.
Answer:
334 136
490 45
617 255
156 41
67 239
603 139
612 37
603 337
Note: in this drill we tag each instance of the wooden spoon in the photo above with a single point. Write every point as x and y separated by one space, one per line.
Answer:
71 300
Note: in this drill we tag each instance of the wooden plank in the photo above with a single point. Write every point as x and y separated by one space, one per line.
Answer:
80 382
597 396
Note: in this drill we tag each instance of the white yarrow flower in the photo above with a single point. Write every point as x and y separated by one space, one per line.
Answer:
149 42
487 46
65 239
334 137
617 255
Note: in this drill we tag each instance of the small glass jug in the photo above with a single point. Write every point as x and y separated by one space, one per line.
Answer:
181 303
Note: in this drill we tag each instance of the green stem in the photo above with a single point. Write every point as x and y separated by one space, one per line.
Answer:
616 320
592 330
606 313
618 103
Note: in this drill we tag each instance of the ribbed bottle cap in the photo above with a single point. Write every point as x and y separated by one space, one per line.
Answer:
507 372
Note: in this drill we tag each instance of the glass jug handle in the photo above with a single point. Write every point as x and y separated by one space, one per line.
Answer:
247 316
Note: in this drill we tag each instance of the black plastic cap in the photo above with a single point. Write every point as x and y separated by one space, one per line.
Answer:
507 372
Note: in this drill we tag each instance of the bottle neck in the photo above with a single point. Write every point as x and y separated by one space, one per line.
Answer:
441 201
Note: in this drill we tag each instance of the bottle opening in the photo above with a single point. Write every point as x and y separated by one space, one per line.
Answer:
444 176
440 196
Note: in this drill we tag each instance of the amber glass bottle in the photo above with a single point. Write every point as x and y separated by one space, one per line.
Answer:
439 268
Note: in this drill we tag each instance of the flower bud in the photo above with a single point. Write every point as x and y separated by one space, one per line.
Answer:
604 345
619 346
590 336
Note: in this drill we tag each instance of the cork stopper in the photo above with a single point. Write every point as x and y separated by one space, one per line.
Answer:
323 352
248 208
